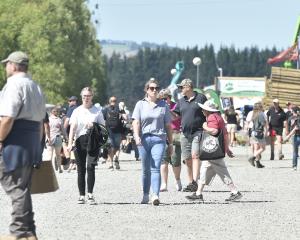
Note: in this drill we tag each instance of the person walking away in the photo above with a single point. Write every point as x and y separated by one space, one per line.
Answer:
81 122
113 119
55 141
152 128
192 119
175 158
277 121
294 130
231 118
72 106
209 168
258 134
22 110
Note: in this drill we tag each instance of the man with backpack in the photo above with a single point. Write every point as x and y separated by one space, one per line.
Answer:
113 117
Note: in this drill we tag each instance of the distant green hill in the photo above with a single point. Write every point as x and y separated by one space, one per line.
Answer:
125 48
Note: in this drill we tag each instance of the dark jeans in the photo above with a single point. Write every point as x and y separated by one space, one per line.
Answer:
82 166
132 146
296 144
16 184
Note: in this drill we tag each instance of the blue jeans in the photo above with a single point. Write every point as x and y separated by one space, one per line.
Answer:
296 144
151 153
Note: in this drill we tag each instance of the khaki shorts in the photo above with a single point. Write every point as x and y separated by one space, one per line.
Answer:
174 159
189 146
209 169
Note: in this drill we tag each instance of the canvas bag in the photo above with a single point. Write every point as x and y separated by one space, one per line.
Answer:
212 147
43 179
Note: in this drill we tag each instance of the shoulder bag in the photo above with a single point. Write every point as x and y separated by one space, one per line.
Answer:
212 147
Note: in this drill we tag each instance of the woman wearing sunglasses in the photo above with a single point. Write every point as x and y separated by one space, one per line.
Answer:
152 128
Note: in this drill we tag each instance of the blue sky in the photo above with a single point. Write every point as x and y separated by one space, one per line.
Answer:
242 23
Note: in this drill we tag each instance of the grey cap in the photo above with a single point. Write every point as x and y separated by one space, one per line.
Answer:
186 82
17 57
73 98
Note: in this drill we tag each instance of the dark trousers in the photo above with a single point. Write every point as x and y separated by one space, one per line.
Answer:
81 157
16 184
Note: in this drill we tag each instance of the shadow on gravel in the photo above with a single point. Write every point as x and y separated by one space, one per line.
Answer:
165 204
261 201
223 191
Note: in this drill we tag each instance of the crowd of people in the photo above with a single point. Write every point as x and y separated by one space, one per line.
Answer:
192 131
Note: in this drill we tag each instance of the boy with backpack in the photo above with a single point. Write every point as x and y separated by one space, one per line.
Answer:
113 117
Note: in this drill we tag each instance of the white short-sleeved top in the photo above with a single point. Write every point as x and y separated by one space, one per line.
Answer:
22 98
82 117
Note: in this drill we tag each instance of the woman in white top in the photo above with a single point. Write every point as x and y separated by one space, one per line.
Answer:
81 120
55 141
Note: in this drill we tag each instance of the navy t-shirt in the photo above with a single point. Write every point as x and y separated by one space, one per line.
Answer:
192 117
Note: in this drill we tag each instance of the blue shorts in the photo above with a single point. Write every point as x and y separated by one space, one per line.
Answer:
115 140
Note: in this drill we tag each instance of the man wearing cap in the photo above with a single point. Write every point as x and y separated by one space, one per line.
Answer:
192 119
22 109
277 121
72 106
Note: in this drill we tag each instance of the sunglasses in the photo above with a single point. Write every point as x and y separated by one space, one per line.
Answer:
153 88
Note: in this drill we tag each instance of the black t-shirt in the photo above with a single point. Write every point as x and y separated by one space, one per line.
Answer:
231 118
276 118
192 117
292 122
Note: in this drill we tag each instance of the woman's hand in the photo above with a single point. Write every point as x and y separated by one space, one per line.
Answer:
69 148
89 125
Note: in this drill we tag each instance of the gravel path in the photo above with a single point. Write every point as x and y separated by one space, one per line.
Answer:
269 209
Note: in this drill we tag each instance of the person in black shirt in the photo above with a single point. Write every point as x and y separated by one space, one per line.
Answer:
192 120
231 118
294 130
277 121
113 117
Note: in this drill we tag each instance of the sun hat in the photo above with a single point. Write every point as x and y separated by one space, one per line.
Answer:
275 100
209 106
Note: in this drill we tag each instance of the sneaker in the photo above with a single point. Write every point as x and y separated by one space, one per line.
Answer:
91 200
259 165
295 168
194 197
117 165
155 200
178 186
281 156
251 161
145 199
163 188
111 167
81 200
191 187
234 196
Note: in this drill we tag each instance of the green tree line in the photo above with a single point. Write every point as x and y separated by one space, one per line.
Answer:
126 76
60 41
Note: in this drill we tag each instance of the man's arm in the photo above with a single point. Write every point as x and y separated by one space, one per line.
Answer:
5 128
47 129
